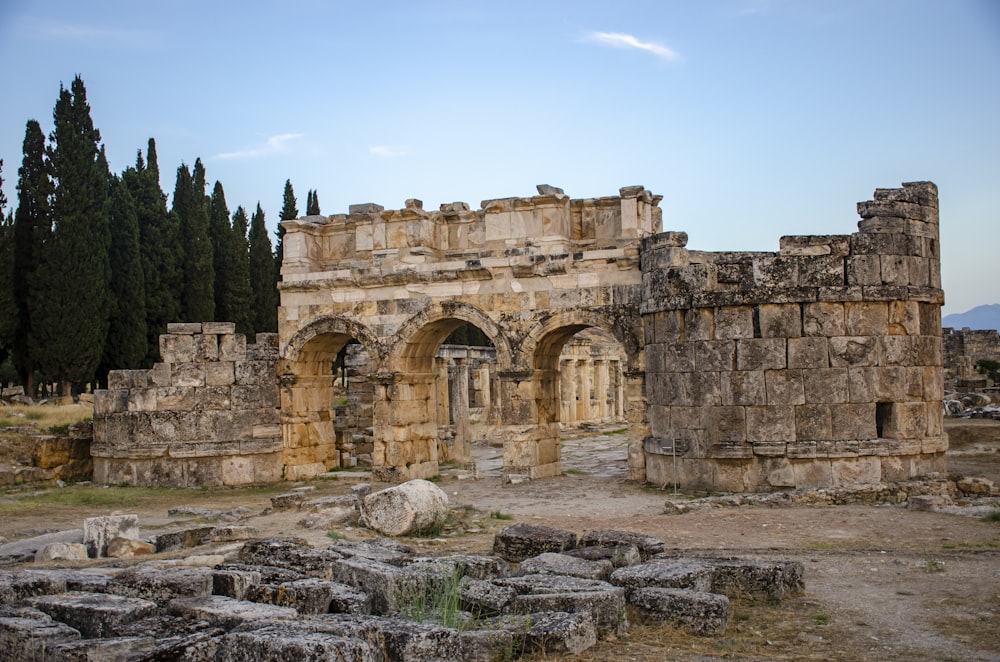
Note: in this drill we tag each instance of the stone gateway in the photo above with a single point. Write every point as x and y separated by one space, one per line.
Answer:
818 365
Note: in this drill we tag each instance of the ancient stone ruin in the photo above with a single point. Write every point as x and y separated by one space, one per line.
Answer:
817 365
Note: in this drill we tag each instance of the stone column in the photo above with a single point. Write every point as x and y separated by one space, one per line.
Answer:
567 380
601 388
458 407
584 372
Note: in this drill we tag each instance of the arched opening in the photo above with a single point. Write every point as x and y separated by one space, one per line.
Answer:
327 402
442 401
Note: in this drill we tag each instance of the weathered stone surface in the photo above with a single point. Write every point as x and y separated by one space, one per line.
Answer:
703 613
16 586
291 553
98 532
61 551
127 548
553 632
548 593
619 555
312 596
112 649
94 615
413 507
28 636
183 539
521 541
648 546
551 563
226 612
161 584
278 642
22 551
484 598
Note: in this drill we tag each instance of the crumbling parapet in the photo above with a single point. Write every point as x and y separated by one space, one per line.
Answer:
206 415
819 365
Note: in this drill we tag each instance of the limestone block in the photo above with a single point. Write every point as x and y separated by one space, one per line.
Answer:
784 387
732 322
864 270
775 271
552 563
853 351
856 471
904 318
813 473
159 375
811 353
232 347
206 348
668 326
553 593
267 468
176 348
895 269
98 532
714 355
218 328
219 373
212 397
866 318
853 421
703 388
800 449
780 320
183 328
813 422
110 402
770 448
522 541
237 470
254 372
727 424
761 354
826 385
187 374
771 423
743 388
127 548
821 271
823 319
94 615
905 351
935 419
61 551
412 507
699 324
906 420
678 357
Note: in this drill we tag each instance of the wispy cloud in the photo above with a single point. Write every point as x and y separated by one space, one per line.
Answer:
98 36
386 152
273 145
623 40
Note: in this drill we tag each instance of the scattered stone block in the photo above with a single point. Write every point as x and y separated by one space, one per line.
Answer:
226 612
666 573
23 551
746 577
554 593
61 551
619 556
551 563
28 636
696 611
545 633
16 586
312 596
278 642
415 506
94 615
288 501
484 598
112 649
522 541
127 548
291 553
233 533
161 584
234 583
184 539
98 532
928 502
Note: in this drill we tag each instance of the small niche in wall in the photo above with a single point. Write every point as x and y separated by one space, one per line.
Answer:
883 412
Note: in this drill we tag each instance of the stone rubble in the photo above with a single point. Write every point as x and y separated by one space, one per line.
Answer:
350 601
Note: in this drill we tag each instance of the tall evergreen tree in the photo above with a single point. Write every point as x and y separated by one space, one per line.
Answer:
159 247
198 289
221 234
289 210
125 346
72 285
312 203
241 295
263 283
8 311
32 226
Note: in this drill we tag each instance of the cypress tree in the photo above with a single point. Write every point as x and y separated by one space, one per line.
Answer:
69 331
159 250
312 203
8 312
32 226
125 346
241 296
221 234
263 283
289 210
190 210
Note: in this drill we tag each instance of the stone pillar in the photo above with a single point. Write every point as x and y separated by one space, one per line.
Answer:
442 383
584 372
567 379
601 388
458 407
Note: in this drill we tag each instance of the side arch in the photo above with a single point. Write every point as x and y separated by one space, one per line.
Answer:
419 337
335 326
544 342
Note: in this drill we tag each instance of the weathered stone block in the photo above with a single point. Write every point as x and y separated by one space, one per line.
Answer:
714 355
823 319
550 563
813 422
851 351
94 615
853 421
552 593
161 584
761 354
780 320
522 541
695 611
784 387
206 348
219 373
808 353
743 388
866 318
176 348
733 322
218 328
98 532
183 328
826 385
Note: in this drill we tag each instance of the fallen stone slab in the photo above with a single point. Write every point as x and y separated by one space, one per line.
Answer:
228 613
17 586
695 611
377 549
551 563
553 593
385 583
313 596
98 532
161 584
748 577
89 581
62 551
416 506
23 551
113 649
287 641
484 598
184 539
546 633
234 583
620 556
26 635
233 533
463 565
691 574
648 546
292 553
288 501
522 541
94 615
336 509
127 548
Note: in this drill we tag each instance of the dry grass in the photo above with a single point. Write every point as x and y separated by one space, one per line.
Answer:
44 417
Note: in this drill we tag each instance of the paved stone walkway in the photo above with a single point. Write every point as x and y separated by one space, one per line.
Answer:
594 454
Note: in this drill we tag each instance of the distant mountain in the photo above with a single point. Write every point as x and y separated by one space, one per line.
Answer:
980 317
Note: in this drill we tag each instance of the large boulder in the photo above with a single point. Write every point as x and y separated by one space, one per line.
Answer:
416 506
99 531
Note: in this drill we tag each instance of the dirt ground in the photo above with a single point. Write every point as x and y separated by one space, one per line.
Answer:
881 582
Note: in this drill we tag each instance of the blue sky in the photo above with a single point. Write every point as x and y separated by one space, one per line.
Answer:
753 118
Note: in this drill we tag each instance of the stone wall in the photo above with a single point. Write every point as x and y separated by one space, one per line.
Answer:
963 348
206 415
819 365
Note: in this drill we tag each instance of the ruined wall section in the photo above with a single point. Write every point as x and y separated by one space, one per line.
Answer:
817 365
964 347
207 415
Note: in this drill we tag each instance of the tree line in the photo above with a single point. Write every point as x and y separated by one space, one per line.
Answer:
93 264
